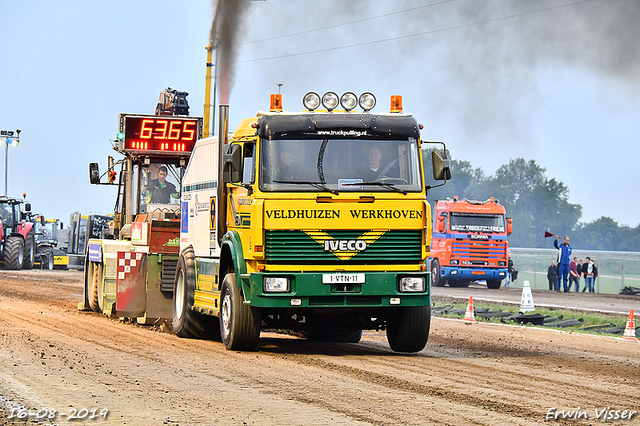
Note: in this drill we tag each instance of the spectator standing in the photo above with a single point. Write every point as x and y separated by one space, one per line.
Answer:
563 262
579 270
589 271
573 274
552 276
509 279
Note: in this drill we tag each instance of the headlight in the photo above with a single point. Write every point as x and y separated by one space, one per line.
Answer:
412 284
502 263
330 101
349 101
276 285
455 261
367 101
311 101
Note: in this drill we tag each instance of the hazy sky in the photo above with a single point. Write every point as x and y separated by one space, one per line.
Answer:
557 81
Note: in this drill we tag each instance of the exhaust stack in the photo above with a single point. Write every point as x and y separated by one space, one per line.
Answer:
223 139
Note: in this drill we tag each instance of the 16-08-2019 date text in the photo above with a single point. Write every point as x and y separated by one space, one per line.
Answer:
51 414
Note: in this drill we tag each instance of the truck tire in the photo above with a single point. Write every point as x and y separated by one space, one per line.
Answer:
46 260
494 284
187 322
14 253
408 328
97 278
92 287
239 323
29 250
87 287
436 278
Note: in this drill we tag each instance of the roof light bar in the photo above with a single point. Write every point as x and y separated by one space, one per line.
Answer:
349 101
311 101
367 101
330 100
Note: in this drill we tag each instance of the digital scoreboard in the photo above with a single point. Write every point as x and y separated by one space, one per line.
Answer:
158 134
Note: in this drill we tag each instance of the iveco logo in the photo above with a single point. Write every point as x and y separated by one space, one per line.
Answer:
345 245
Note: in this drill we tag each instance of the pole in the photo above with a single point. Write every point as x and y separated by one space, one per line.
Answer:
6 161
207 94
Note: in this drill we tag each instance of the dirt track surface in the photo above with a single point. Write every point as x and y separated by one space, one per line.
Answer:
53 356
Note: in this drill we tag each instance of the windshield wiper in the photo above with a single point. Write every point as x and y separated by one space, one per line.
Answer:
385 185
319 185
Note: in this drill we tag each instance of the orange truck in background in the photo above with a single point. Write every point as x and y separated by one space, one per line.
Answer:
469 243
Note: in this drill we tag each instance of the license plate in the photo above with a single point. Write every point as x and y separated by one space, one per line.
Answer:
477 272
343 278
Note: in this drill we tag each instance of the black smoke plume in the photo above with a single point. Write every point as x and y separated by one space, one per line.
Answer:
226 30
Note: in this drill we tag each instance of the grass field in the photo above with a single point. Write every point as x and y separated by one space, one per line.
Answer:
589 323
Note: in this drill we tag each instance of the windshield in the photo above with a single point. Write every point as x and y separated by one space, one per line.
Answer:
477 222
340 165
6 214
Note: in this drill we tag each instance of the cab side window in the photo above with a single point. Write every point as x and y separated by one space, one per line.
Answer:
249 163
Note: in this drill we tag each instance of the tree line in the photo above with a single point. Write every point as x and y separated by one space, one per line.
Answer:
537 204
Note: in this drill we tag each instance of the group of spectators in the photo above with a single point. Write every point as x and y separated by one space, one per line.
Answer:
569 271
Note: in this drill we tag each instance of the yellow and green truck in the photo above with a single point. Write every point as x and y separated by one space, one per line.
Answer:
314 221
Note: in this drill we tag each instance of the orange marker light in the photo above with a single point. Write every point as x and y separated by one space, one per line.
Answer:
396 103
276 103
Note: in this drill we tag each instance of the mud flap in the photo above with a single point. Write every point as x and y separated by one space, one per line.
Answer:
131 284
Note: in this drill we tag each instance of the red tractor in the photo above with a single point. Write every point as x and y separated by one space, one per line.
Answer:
17 234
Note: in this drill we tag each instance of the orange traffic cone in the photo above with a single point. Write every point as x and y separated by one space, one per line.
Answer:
469 316
630 329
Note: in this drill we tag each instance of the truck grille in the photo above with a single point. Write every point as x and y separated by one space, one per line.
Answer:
297 247
479 253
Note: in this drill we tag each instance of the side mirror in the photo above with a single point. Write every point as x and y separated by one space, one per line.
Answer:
43 221
441 164
94 173
232 163
27 207
440 224
509 225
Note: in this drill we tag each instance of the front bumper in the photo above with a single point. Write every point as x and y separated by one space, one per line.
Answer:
307 290
458 273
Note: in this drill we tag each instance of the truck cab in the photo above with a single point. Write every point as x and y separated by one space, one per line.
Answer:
315 221
469 243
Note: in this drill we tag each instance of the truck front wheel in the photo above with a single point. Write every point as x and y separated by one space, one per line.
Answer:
239 323
436 278
92 286
408 328
494 284
187 322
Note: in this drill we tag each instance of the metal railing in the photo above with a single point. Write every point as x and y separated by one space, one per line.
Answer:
616 269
